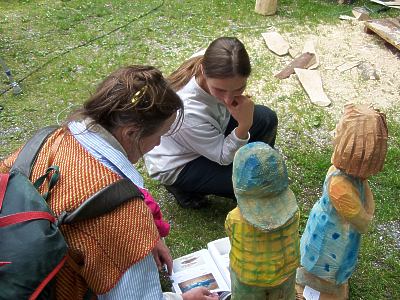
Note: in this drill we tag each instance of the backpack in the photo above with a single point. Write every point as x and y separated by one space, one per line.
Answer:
32 248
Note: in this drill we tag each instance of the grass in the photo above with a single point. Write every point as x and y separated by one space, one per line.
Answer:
60 50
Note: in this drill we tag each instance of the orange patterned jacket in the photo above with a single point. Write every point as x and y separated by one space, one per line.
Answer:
102 248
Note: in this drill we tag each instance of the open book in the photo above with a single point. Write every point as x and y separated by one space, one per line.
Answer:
207 267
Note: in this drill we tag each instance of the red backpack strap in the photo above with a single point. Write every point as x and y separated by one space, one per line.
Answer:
49 277
26 216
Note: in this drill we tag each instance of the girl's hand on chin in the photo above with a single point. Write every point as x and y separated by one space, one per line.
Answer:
242 110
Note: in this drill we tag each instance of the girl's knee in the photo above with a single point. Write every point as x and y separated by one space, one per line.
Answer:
265 114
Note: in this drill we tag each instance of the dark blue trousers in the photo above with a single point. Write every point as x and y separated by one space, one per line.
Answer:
205 177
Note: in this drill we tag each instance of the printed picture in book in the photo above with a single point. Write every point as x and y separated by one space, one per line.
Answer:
204 268
207 281
188 261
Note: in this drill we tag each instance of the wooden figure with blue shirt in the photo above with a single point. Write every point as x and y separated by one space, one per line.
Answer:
264 228
331 240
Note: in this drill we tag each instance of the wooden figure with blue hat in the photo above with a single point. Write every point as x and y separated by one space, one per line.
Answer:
330 243
263 228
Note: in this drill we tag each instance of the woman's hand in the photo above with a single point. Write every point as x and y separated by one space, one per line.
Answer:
162 256
242 110
199 293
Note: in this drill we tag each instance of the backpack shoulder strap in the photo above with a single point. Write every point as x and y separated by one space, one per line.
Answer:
102 202
28 154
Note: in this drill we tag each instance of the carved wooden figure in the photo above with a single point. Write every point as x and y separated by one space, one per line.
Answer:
330 243
263 229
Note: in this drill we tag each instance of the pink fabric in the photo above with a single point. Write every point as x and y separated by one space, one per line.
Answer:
162 225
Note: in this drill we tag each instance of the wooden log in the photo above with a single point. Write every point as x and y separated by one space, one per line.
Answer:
266 7
301 62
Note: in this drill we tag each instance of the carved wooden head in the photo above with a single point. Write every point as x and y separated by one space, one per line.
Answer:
360 142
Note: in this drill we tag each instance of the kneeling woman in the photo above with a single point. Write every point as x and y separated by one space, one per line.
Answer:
197 159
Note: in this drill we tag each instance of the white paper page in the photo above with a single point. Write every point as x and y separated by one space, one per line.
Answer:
310 293
219 250
194 270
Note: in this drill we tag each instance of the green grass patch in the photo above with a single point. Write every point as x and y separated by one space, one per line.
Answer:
60 50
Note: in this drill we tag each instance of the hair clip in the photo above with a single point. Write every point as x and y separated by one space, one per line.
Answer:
138 95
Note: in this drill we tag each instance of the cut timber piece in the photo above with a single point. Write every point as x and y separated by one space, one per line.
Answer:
388 29
312 84
361 14
266 7
348 65
301 62
393 4
309 47
294 53
276 43
345 17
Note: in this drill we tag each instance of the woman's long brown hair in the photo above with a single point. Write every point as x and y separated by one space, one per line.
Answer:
225 57
132 96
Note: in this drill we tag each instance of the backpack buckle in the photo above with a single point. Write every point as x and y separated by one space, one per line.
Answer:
60 219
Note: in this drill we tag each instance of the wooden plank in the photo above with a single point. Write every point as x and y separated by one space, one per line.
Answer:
276 43
312 84
361 13
301 62
394 4
388 29
348 65
345 17
310 47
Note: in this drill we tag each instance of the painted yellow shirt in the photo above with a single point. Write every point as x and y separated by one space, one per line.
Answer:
260 258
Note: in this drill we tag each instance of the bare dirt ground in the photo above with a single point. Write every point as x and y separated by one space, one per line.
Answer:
374 81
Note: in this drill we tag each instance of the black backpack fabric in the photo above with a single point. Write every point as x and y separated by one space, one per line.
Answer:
32 248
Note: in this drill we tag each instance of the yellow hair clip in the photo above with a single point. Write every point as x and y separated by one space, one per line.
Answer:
138 95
